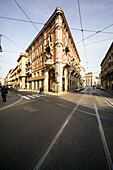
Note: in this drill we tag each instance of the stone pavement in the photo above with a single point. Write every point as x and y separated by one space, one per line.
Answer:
12 97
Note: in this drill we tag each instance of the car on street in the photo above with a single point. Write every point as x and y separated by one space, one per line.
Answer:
102 88
77 89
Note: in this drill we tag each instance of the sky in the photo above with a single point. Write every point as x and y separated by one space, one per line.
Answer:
16 36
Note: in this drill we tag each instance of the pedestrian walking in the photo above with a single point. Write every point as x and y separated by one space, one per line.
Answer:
42 90
4 92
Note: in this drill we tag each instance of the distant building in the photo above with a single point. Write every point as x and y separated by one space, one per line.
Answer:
91 79
17 76
107 69
53 60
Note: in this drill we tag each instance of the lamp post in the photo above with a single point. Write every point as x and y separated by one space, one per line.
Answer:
0 44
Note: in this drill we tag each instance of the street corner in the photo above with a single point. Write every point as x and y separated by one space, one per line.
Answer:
11 99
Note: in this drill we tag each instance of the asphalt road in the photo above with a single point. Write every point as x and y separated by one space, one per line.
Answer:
71 131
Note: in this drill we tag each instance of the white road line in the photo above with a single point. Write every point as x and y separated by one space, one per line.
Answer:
39 163
92 114
106 149
110 103
35 95
31 96
12 104
26 97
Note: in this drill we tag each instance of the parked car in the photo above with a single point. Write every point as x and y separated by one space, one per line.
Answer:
103 88
77 89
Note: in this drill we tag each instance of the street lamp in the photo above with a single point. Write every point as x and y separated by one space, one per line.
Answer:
0 44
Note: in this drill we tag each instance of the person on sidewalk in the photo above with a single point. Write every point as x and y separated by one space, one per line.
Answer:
42 90
4 92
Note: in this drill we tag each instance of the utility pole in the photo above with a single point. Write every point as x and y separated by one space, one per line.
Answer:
0 44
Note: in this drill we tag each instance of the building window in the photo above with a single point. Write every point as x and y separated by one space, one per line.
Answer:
42 60
37 51
42 72
50 37
42 47
37 62
37 74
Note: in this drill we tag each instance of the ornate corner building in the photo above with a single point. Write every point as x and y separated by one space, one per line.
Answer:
107 69
53 60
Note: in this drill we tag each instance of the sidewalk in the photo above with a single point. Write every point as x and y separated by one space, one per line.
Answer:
12 97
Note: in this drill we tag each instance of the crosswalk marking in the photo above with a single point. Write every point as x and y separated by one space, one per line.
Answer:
33 96
26 97
36 95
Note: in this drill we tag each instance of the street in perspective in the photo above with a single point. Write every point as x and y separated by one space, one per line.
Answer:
68 131
56 85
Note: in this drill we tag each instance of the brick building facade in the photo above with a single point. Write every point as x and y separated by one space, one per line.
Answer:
53 60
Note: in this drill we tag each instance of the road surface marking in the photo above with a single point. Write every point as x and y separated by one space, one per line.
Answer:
110 103
93 114
12 104
35 95
39 163
106 149
26 97
31 96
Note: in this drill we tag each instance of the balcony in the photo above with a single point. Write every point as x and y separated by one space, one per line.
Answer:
49 62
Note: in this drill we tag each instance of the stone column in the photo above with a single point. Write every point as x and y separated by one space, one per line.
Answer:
58 52
46 82
40 84
36 85
27 85
66 80
32 85
23 82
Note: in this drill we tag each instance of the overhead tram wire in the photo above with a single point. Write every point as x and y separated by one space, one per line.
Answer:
20 20
91 31
94 34
82 32
12 41
76 29
97 42
26 15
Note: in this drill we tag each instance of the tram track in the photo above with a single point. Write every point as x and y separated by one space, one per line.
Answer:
104 141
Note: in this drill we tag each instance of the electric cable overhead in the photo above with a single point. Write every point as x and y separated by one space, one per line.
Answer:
91 31
82 31
97 42
76 29
12 41
94 34
26 15
21 20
